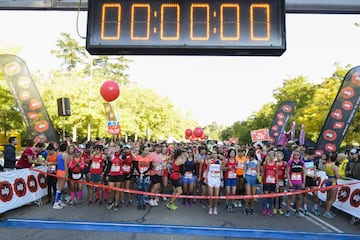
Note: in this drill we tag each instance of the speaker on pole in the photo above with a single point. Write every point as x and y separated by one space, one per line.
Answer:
63 107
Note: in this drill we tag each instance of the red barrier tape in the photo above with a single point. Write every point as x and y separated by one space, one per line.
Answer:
269 195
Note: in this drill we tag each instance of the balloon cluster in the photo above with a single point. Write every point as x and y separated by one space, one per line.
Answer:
110 90
197 133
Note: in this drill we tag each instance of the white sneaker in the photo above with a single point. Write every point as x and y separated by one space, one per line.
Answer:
236 203
239 203
215 211
151 203
210 211
62 204
155 203
57 206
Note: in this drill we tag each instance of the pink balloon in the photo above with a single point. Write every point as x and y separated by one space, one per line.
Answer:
198 132
110 90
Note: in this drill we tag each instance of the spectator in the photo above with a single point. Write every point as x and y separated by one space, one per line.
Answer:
10 154
30 156
343 161
352 169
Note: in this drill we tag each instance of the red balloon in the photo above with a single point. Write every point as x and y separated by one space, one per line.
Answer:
203 137
110 90
198 132
187 137
188 132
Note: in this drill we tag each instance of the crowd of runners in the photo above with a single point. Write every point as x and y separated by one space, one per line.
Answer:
200 168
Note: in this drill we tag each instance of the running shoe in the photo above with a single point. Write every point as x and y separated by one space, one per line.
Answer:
72 204
246 211
332 214
280 211
164 199
263 212
239 204
210 211
287 214
270 213
57 206
274 210
236 203
151 203
305 212
299 214
155 202
252 211
316 212
215 211
328 215
110 206
139 206
62 204
232 208
227 208
79 204
122 202
171 206
89 204
116 208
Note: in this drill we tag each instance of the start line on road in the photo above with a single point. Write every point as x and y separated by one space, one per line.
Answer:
170 229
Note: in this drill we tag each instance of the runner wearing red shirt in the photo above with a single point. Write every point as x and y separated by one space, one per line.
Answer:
115 177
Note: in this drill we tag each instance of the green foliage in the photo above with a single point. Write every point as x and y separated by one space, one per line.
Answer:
313 104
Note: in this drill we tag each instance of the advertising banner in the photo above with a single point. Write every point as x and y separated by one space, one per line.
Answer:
341 114
260 135
348 197
281 118
20 187
28 99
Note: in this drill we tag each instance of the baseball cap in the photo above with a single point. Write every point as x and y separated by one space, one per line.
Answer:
353 151
127 146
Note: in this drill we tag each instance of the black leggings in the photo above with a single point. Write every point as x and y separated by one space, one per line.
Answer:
51 184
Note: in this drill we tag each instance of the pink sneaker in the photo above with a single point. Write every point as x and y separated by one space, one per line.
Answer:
270 213
263 212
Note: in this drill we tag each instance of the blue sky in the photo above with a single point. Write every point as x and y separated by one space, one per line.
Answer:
220 89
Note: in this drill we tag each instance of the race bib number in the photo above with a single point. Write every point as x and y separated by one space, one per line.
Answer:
115 168
296 176
215 174
76 176
52 168
281 182
143 169
240 165
310 172
270 179
126 168
232 174
251 172
188 174
95 165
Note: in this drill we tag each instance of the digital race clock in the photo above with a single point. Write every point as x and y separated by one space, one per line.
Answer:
186 27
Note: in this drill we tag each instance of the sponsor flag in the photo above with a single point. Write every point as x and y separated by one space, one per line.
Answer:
28 99
280 120
292 133
260 135
302 135
341 113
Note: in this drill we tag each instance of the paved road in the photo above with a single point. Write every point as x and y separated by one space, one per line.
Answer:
184 216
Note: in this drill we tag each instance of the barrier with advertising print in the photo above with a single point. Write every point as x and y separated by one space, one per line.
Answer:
348 196
20 187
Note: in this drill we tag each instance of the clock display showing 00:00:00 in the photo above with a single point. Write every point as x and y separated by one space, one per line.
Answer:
199 22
